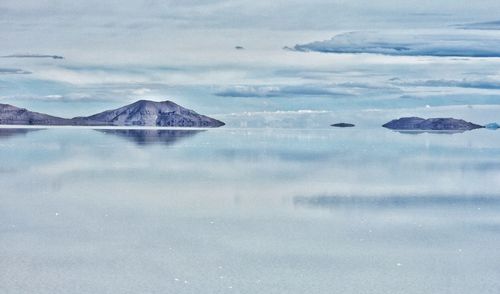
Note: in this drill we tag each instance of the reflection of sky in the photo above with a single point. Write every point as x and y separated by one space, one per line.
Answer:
249 210
386 162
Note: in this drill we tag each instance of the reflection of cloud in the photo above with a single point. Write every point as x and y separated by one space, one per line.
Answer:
277 91
14 71
304 118
478 84
394 201
148 137
33 56
404 44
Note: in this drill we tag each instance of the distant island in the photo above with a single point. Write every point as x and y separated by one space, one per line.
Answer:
140 113
343 125
492 126
431 124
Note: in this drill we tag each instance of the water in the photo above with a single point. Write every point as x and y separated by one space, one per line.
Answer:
249 211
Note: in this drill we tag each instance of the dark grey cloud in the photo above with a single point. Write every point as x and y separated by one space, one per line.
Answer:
489 25
14 71
33 56
451 44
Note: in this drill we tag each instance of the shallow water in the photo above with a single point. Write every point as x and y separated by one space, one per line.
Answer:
249 211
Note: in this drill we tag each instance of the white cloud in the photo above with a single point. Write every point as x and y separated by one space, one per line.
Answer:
141 91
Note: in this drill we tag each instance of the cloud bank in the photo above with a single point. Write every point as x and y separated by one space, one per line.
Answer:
451 44
280 91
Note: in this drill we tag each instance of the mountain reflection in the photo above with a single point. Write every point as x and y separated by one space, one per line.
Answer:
419 132
149 137
8 132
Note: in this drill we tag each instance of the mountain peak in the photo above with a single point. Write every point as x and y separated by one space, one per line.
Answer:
150 103
145 101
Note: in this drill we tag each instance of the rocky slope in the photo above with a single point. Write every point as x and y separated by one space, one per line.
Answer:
11 115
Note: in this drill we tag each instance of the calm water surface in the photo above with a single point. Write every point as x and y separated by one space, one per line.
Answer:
249 211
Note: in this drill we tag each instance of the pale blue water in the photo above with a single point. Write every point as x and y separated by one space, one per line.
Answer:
249 211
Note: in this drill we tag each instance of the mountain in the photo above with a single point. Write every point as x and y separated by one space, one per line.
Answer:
431 124
140 113
11 115
149 113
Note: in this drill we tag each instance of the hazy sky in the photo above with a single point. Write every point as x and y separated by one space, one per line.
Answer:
116 52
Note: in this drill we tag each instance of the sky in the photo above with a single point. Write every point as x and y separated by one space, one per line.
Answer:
345 58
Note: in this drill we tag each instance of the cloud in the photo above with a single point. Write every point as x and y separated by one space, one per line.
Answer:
449 44
14 71
476 84
281 91
141 91
330 201
33 56
490 25
53 97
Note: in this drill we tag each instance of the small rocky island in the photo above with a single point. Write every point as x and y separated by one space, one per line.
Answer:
140 113
431 124
11 115
343 125
492 126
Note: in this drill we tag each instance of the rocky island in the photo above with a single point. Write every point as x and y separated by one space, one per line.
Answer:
343 125
492 126
431 124
140 113
11 115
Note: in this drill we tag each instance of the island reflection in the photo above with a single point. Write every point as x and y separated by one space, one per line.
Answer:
151 137
419 132
6 133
